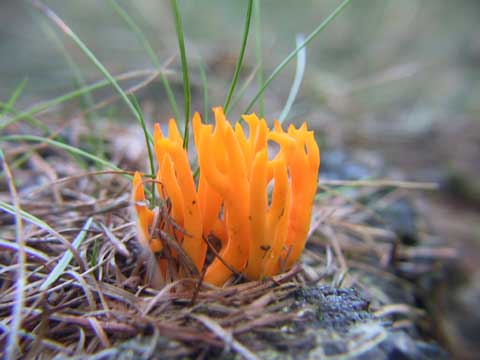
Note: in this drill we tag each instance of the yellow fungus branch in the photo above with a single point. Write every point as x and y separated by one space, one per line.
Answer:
230 200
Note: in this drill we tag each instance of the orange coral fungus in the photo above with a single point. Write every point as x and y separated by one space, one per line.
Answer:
257 237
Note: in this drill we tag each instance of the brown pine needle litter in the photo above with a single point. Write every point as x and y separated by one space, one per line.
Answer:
86 279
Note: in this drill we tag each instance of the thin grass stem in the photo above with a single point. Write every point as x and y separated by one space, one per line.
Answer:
203 78
7 109
186 80
79 82
71 34
77 73
63 146
8 208
290 56
16 94
299 72
243 88
257 20
35 109
240 57
149 149
150 52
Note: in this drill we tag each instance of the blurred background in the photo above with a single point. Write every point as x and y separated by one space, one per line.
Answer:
396 79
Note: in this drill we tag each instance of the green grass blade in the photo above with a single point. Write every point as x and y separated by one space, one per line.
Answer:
243 88
77 73
290 56
257 20
246 30
61 145
31 252
186 80
16 93
150 52
8 208
71 34
86 98
59 269
301 63
94 253
149 149
19 161
7 109
137 31
35 109
203 78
